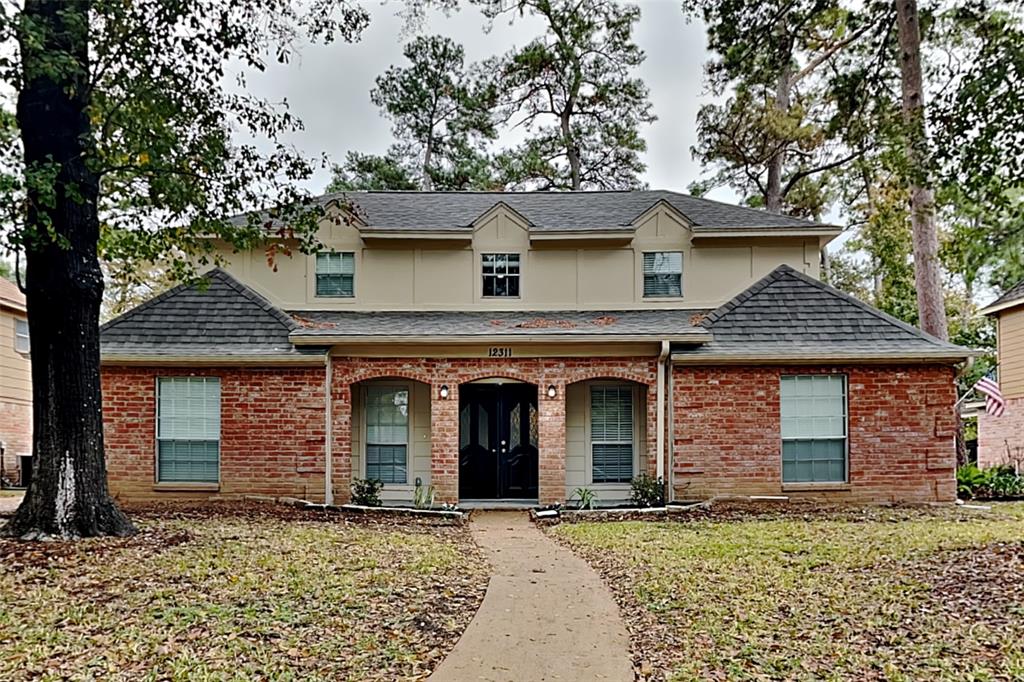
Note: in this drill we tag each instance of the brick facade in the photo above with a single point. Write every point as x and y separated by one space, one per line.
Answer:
1001 439
16 435
727 440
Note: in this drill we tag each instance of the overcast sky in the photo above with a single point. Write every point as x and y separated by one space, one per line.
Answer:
328 86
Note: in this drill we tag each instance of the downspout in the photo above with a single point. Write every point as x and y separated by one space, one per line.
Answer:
660 420
328 445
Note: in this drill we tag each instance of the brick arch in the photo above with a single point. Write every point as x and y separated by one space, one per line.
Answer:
528 377
384 374
588 374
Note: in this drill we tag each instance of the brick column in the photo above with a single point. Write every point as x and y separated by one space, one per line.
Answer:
341 439
444 441
551 461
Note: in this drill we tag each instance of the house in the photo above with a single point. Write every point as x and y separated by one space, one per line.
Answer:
518 346
1001 439
15 386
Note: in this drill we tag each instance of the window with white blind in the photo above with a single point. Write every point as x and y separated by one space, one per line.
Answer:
663 274
22 343
188 429
611 433
335 274
387 433
813 413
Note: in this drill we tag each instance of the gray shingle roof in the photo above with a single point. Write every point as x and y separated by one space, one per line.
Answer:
226 318
550 210
654 323
788 314
1014 293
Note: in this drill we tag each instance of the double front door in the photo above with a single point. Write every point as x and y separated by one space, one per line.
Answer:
497 441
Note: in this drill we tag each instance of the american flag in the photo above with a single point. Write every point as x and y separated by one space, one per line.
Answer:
995 404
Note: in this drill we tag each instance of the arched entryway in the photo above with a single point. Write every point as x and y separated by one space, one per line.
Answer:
498 440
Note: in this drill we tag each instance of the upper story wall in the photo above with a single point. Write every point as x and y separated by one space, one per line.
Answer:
1011 352
559 274
15 367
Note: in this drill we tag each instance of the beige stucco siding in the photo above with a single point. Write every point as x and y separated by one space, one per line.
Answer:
400 274
15 368
1011 352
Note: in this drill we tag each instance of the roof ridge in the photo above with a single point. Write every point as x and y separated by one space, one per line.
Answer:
256 298
750 209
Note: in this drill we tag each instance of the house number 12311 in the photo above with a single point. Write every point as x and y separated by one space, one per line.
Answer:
499 352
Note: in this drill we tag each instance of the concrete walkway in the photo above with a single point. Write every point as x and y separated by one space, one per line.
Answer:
546 614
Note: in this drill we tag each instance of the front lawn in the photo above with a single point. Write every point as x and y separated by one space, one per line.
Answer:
850 595
242 593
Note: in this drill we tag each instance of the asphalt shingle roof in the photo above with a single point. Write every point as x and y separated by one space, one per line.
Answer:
549 210
1014 293
788 314
489 323
226 318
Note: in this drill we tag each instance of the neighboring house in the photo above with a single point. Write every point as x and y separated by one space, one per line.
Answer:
15 383
519 346
1001 439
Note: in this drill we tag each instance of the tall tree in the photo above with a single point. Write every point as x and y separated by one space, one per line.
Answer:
124 119
927 269
441 113
369 172
576 93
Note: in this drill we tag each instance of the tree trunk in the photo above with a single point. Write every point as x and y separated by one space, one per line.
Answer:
773 188
572 152
428 158
927 274
68 496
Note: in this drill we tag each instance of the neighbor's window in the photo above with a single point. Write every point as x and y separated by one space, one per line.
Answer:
387 433
813 412
21 340
188 429
501 274
611 433
335 274
663 273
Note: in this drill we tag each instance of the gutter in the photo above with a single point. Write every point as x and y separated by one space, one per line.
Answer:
798 359
660 420
226 360
328 437
325 339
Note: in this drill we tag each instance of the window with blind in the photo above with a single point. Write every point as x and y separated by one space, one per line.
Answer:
813 414
663 274
22 343
611 433
387 433
188 429
335 274
501 274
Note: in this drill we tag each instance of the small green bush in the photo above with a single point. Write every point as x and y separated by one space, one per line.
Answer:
969 480
1003 481
584 498
366 492
647 491
994 482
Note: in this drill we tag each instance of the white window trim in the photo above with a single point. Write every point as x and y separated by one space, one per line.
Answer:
17 336
355 276
157 439
480 271
846 437
410 479
682 276
589 444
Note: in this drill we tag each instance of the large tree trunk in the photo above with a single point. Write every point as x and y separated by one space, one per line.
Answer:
927 274
68 496
773 188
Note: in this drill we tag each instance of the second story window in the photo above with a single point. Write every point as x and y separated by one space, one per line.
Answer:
663 274
335 274
501 274
21 340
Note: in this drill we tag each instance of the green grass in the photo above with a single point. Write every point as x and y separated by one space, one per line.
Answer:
239 599
898 596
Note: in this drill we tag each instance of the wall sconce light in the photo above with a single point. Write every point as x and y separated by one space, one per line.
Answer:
552 391
444 392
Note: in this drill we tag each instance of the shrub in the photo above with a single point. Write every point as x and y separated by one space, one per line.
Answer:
423 497
647 491
585 498
969 480
366 492
1000 481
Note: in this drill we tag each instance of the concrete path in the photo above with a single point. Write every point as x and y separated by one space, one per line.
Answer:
546 614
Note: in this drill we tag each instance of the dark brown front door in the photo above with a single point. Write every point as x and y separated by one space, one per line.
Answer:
497 441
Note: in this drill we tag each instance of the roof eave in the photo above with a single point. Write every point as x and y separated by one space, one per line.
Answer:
199 359
322 339
1000 307
821 358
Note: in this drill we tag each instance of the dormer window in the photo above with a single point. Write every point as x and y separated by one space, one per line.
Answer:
335 274
663 274
501 275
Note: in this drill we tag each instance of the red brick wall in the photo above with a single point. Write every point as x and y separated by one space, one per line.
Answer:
727 441
1001 439
16 434
272 430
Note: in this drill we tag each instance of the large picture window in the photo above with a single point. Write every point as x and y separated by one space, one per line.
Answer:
387 433
611 433
813 413
188 429
663 274
335 274
501 274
